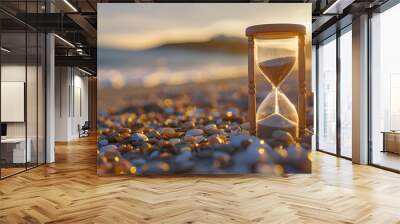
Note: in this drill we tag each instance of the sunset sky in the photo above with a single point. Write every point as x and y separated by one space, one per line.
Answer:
145 25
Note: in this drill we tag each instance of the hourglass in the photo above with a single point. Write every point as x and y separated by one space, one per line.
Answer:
276 49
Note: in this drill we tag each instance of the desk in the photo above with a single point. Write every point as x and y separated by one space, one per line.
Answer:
13 150
391 141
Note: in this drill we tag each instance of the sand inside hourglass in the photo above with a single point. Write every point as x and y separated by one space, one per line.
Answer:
277 69
275 122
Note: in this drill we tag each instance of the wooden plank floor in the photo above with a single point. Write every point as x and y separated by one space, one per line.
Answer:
70 192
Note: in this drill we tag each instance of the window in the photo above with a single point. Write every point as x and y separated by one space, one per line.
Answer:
385 89
346 93
327 96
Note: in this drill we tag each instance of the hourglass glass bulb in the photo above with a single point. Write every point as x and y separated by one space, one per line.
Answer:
276 70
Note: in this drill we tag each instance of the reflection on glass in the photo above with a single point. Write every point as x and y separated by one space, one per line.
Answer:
41 99
327 97
346 94
31 97
385 84
13 84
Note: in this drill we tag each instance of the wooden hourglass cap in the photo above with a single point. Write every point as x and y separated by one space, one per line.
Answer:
281 30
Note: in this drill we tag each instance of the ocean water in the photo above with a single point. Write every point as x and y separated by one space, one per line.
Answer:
119 68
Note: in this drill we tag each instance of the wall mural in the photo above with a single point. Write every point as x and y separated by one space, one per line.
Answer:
191 89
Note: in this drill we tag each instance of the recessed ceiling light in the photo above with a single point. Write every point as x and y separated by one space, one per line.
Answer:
5 50
338 6
70 5
84 71
64 40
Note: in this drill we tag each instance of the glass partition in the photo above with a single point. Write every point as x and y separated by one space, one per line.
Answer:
22 88
14 153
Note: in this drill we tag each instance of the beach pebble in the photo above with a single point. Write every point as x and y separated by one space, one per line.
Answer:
153 134
185 166
154 154
124 130
283 136
183 157
195 132
236 140
204 153
111 155
103 142
186 149
169 110
198 139
188 125
167 131
249 156
138 162
124 148
146 148
108 148
156 168
138 139
188 138
221 158
211 129
215 139
224 148
174 141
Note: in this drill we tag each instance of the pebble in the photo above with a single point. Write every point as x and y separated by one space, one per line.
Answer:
228 148
112 155
174 141
146 148
211 129
188 138
283 136
195 132
124 148
183 157
198 139
188 125
236 140
249 156
138 162
154 155
156 168
103 142
139 139
171 135
108 148
153 134
205 153
221 159
125 130
215 139
167 131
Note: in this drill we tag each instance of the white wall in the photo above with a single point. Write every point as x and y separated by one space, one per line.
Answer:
71 94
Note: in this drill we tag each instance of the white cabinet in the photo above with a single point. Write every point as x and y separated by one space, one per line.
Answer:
17 146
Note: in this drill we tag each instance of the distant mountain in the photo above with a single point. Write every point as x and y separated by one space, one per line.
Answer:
221 43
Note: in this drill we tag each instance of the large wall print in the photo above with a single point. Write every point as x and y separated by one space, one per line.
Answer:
193 89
